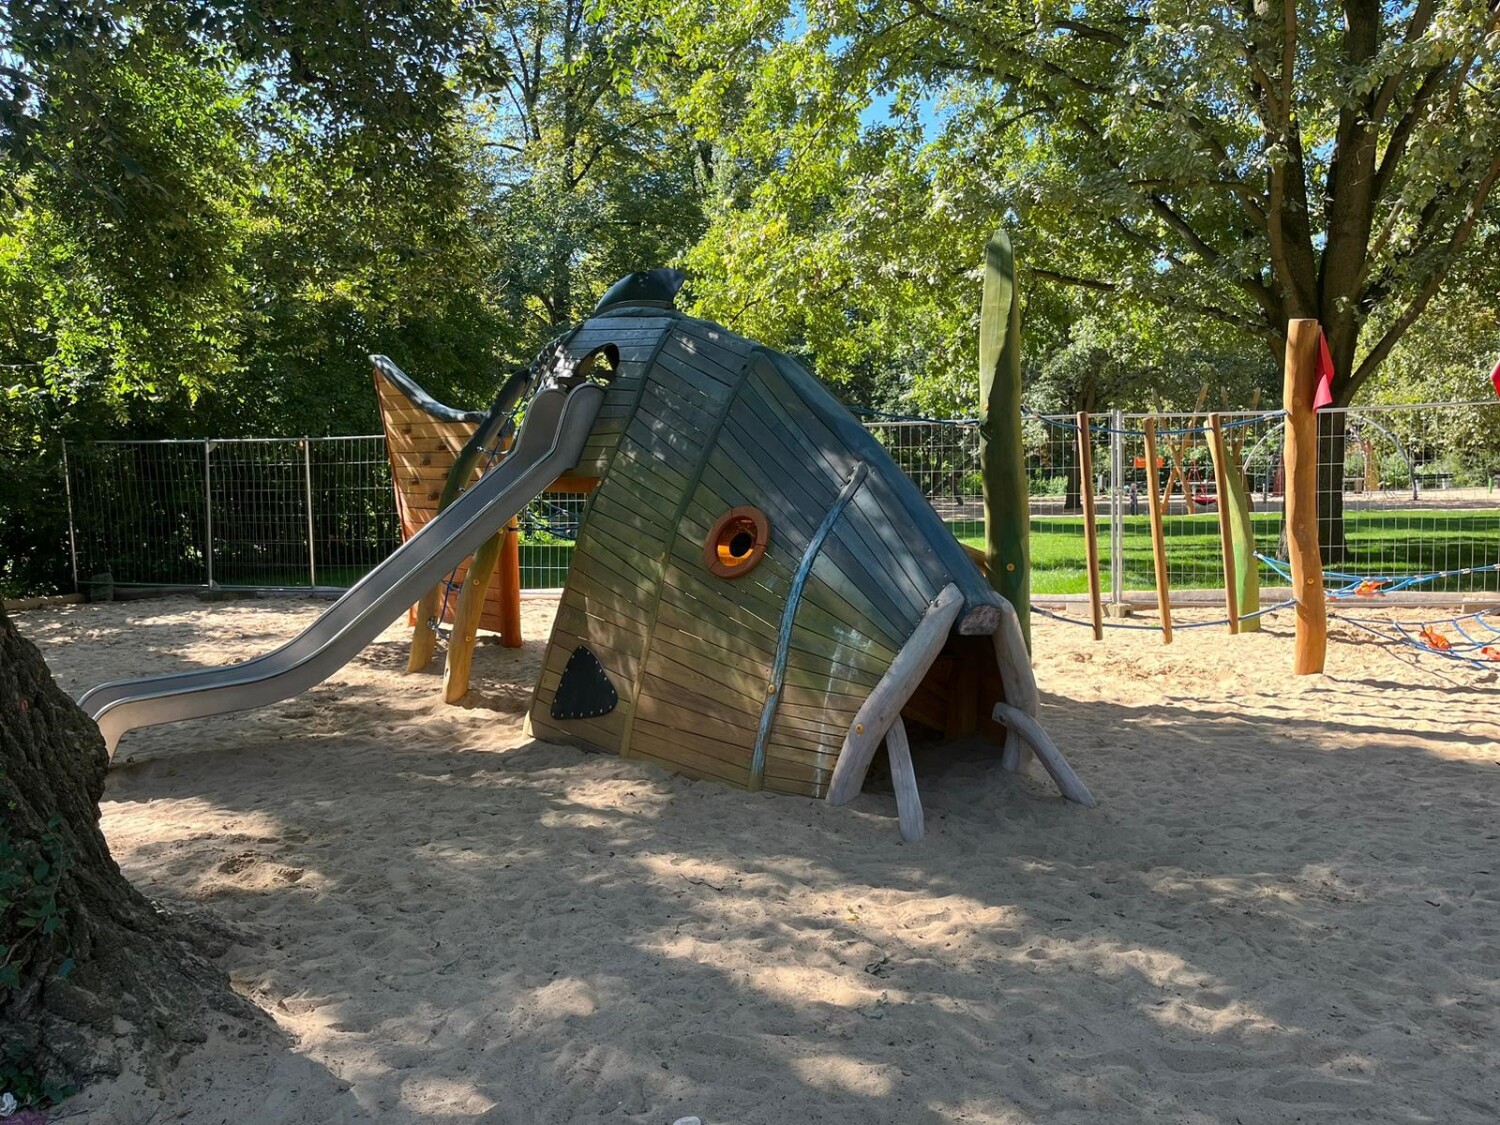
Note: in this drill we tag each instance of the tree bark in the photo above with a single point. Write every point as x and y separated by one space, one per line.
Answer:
90 964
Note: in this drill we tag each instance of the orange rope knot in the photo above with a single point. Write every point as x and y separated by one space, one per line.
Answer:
1433 639
1490 652
1370 588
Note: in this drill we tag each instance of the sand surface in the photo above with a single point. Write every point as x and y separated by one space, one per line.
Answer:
1286 907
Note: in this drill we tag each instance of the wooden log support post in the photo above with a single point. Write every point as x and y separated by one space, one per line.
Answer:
883 705
1090 522
466 619
1068 782
904 780
1222 470
1154 503
1002 448
1299 387
1019 685
510 585
424 633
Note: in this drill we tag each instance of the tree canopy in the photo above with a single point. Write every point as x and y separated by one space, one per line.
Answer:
211 211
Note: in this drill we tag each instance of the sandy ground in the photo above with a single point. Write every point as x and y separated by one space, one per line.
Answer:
1285 909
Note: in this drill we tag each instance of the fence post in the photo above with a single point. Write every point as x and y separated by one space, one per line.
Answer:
1299 386
312 565
208 513
1090 521
72 534
1116 507
1158 541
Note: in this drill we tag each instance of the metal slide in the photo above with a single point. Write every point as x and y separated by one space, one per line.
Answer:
557 425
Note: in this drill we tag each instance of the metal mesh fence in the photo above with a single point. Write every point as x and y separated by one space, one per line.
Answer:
263 514
1418 499
549 525
1410 494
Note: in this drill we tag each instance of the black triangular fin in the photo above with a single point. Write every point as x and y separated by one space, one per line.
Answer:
585 691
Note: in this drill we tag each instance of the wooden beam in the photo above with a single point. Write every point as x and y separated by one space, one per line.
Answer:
1240 505
904 780
1090 523
1068 782
466 620
1158 539
883 706
1300 456
424 633
1222 469
1019 685
510 585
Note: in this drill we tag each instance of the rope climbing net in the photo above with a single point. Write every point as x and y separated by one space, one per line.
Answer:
1478 648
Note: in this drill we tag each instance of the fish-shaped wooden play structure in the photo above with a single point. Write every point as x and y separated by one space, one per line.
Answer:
758 595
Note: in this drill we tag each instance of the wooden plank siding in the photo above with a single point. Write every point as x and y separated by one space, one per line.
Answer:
422 450
699 422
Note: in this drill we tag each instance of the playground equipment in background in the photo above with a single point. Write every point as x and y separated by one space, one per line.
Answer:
757 594
436 452
558 424
424 439
1451 637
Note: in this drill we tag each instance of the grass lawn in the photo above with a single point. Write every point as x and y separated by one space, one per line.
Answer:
1400 542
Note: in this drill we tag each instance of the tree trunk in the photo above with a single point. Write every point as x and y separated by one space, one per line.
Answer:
86 958
1332 444
1073 494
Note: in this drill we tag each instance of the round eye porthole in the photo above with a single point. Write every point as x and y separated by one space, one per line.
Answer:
736 542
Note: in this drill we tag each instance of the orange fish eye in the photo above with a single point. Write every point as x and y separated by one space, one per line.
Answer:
736 542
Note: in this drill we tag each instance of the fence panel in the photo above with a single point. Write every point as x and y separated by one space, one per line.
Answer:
1417 495
140 511
258 508
1420 510
355 525
1184 476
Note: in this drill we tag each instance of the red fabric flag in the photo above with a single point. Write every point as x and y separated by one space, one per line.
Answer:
1495 378
1324 395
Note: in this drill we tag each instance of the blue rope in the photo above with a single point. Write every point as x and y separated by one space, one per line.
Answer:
1389 584
885 416
1402 636
789 621
1157 628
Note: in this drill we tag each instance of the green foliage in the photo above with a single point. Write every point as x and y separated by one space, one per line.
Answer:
19 1078
30 876
1394 471
1227 166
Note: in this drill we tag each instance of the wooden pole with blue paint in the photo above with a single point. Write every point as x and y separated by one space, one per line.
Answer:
1002 454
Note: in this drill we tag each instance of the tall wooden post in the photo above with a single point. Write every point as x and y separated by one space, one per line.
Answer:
1222 469
510 585
1002 454
1299 385
1158 540
1090 521
1240 505
466 615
